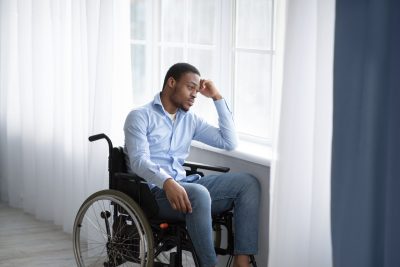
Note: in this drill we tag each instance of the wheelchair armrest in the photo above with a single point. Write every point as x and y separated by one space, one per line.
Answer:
194 166
129 177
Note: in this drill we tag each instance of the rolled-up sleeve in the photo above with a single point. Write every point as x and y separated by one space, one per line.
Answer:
137 148
224 136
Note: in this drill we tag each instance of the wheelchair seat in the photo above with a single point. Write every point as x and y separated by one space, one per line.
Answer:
120 227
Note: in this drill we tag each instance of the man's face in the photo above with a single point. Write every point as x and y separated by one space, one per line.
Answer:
184 90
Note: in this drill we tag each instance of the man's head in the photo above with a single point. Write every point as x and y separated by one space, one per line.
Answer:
181 84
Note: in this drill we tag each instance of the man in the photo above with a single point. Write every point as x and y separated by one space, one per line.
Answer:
157 142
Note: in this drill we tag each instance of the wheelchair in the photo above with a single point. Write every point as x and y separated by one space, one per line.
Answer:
119 226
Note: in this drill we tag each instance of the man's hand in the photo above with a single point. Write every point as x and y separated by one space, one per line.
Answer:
208 89
177 196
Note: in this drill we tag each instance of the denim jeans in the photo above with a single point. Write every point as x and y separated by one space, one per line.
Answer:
214 194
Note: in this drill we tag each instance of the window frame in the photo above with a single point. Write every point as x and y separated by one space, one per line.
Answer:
226 48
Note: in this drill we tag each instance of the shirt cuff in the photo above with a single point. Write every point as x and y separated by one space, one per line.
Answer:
221 105
160 177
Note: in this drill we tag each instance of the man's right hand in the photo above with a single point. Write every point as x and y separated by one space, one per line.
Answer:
177 196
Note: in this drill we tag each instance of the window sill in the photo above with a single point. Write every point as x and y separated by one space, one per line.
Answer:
248 151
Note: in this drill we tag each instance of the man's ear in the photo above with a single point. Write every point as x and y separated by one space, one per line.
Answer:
171 82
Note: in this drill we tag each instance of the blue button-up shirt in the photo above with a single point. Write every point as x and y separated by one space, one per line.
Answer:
156 146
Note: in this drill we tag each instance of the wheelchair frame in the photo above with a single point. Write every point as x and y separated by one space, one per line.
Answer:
134 212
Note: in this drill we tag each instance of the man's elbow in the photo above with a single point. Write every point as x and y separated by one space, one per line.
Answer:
231 145
136 163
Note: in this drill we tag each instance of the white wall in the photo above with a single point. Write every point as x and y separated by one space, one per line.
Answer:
262 173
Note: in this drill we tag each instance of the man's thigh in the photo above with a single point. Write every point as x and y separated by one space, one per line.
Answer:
224 189
195 192
165 211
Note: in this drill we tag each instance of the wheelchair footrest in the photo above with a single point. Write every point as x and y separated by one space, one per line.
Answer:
174 260
159 264
221 251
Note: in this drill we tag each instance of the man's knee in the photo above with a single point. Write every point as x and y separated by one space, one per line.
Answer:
253 181
249 181
199 196
251 185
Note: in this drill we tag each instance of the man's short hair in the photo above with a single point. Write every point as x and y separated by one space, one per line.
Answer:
177 70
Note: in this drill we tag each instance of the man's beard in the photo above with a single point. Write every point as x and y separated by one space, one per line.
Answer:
177 104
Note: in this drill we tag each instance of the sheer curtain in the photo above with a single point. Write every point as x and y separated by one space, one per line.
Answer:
300 189
64 75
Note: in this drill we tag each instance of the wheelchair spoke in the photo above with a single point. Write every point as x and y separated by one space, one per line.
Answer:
111 230
124 253
103 213
97 222
120 229
97 228
99 257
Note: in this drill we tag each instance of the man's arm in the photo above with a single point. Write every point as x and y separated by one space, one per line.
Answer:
208 89
225 135
137 146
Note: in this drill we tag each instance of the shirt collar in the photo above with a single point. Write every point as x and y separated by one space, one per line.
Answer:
157 102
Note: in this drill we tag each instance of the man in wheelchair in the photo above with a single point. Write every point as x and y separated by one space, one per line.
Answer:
157 142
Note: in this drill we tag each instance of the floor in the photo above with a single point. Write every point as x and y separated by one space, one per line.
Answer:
25 241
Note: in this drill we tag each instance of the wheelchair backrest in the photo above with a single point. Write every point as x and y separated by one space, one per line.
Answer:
118 160
138 191
117 163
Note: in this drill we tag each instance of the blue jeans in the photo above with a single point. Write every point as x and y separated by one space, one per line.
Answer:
214 194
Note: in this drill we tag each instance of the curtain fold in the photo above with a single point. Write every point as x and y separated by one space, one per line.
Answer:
65 74
365 158
300 185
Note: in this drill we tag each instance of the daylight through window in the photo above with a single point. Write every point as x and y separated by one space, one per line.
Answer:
230 42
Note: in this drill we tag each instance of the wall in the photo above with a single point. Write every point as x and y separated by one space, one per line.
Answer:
262 173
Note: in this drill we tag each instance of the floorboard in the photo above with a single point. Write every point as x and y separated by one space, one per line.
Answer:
26 241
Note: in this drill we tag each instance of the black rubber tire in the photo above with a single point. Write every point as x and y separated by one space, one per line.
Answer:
98 202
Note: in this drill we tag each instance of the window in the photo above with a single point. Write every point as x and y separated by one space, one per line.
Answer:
230 42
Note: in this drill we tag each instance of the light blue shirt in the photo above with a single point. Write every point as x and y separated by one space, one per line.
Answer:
157 146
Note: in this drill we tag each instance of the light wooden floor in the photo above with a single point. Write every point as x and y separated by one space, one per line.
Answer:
25 241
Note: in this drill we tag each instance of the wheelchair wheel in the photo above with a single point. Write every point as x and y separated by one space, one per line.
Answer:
110 229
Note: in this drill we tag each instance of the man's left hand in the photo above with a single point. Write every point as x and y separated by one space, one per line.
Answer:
208 89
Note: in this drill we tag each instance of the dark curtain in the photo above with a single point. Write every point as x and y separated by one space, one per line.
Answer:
366 134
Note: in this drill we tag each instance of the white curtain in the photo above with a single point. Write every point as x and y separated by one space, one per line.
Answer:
64 75
300 189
